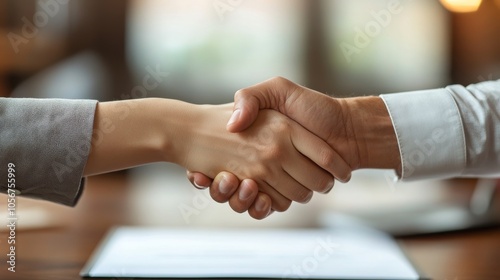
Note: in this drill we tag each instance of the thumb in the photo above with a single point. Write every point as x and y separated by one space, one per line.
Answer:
245 111
248 101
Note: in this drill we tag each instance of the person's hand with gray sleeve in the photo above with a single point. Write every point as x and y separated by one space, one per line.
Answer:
50 145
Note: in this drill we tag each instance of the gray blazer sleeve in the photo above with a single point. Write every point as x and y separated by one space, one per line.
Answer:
48 141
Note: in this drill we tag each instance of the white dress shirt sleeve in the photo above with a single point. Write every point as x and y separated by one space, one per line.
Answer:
448 132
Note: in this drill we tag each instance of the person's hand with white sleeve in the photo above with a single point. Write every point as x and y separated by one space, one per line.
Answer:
358 129
428 134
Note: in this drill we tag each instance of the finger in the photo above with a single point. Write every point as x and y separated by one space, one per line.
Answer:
320 153
245 196
199 180
308 174
279 202
245 111
261 208
224 186
291 189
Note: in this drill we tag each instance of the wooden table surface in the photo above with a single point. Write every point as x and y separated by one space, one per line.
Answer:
60 251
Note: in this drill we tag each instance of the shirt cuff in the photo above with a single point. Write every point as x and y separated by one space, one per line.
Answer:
430 133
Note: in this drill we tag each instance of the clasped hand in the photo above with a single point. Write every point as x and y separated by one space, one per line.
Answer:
277 160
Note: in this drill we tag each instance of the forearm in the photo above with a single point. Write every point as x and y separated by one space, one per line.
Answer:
371 125
135 132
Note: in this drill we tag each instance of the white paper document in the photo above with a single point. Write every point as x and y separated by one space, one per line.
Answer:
199 253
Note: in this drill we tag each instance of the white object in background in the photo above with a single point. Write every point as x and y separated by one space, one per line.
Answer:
342 253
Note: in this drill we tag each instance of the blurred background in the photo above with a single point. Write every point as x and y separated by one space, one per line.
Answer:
206 50
212 48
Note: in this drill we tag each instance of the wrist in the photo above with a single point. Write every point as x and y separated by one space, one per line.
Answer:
198 139
147 130
177 129
373 131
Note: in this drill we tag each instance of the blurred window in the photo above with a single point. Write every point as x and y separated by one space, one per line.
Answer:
213 48
388 45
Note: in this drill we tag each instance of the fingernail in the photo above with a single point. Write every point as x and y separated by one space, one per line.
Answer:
245 192
198 186
234 117
330 187
260 204
224 186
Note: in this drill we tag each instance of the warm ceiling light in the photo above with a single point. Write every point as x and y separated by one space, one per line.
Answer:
462 6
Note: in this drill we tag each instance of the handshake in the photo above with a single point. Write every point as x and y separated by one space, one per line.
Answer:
279 142
282 142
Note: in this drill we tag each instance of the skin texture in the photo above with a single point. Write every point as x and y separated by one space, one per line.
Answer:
274 150
358 129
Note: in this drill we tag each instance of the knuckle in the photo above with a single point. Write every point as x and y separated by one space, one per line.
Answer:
273 151
265 157
280 80
327 158
265 136
241 93
281 125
